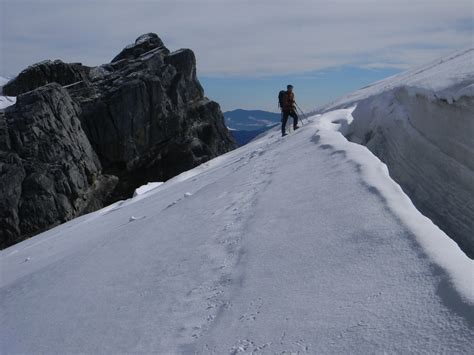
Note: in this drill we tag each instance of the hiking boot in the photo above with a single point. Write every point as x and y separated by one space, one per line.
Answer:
284 134
296 127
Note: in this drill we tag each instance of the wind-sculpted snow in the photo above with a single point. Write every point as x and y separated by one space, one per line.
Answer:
420 123
429 148
300 244
435 243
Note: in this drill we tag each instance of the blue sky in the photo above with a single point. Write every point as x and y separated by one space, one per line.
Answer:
311 89
246 49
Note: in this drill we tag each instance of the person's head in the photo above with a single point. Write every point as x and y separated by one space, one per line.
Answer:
289 88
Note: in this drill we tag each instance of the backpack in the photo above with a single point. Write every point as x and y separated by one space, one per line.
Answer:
281 98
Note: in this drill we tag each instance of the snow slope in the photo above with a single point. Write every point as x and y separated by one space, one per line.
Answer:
300 244
421 124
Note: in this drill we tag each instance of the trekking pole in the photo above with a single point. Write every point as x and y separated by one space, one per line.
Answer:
302 113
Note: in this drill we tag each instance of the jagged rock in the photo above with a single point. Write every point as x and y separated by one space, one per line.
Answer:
146 112
49 171
143 117
143 44
43 73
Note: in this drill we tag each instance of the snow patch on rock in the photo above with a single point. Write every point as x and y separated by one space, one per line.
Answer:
5 101
145 188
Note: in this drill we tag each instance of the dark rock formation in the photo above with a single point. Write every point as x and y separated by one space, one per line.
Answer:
43 73
143 44
143 117
146 115
49 172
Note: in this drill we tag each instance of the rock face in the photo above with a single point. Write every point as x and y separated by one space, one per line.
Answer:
43 73
143 44
49 171
68 150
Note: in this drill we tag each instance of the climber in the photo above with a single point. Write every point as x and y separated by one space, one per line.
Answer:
286 101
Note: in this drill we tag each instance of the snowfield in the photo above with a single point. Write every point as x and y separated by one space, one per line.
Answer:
301 244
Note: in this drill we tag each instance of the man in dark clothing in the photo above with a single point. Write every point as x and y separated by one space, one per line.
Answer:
288 109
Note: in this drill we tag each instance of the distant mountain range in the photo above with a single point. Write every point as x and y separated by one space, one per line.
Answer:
243 137
245 125
251 120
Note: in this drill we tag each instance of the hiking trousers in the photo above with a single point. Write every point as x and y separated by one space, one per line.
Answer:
284 120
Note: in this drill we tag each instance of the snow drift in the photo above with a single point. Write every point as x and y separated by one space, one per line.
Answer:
421 124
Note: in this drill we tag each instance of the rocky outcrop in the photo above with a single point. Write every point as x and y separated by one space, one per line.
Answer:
143 44
146 115
49 171
43 73
64 148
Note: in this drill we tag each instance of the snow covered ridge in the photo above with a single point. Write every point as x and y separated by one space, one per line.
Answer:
420 123
301 244
286 245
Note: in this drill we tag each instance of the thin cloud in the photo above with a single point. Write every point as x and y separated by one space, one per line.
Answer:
239 38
